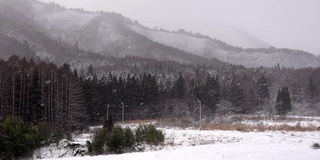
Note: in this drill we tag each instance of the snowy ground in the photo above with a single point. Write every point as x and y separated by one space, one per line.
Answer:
191 144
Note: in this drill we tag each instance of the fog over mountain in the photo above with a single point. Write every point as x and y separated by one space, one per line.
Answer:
202 65
84 37
248 23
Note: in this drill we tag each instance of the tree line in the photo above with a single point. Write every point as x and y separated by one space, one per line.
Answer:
37 91
41 92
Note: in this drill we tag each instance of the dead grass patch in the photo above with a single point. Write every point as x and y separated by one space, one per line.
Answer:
142 121
238 118
183 122
233 122
257 128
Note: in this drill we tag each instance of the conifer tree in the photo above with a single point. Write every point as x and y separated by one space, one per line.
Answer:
236 96
312 91
263 90
283 101
209 93
179 89
35 98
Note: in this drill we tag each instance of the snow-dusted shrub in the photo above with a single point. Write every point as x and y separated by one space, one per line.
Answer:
129 139
116 140
140 134
98 141
18 139
154 136
149 134
120 140
123 140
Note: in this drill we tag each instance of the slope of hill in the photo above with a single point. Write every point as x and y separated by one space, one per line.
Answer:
208 47
53 31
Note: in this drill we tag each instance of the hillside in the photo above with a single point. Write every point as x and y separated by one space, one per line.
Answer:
53 31
207 47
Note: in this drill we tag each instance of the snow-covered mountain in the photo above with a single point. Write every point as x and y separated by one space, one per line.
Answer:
50 27
94 32
207 47
235 36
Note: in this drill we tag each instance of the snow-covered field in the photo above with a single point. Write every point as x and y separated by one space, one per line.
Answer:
191 144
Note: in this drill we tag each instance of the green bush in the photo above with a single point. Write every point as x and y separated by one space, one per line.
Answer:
140 134
120 140
129 139
116 140
149 134
18 139
99 141
154 136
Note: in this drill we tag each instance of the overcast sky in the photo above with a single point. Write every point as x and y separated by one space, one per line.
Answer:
280 23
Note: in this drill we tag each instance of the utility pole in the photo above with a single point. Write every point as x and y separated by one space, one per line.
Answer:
200 114
13 109
122 112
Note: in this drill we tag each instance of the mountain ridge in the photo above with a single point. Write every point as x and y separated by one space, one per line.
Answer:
111 34
249 57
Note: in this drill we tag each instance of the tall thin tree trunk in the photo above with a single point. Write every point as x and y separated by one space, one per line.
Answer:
61 104
13 96
24 94
51 99
44 107
69 105
20 97
48 104
2 101
27 106
66 103
57 116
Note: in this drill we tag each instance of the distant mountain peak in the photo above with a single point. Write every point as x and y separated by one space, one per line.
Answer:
48 26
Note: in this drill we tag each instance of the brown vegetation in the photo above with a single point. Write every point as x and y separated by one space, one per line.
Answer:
137 121
236 123
257 128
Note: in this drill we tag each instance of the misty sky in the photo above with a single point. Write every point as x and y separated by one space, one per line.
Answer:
247 23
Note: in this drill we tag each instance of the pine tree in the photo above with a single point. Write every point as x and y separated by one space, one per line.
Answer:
90 70
263 90
312 91
179 89
283 101
236 96
209 93
76 109
35 98
212 92
149 89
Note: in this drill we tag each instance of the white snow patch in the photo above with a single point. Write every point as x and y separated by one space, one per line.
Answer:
190 144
